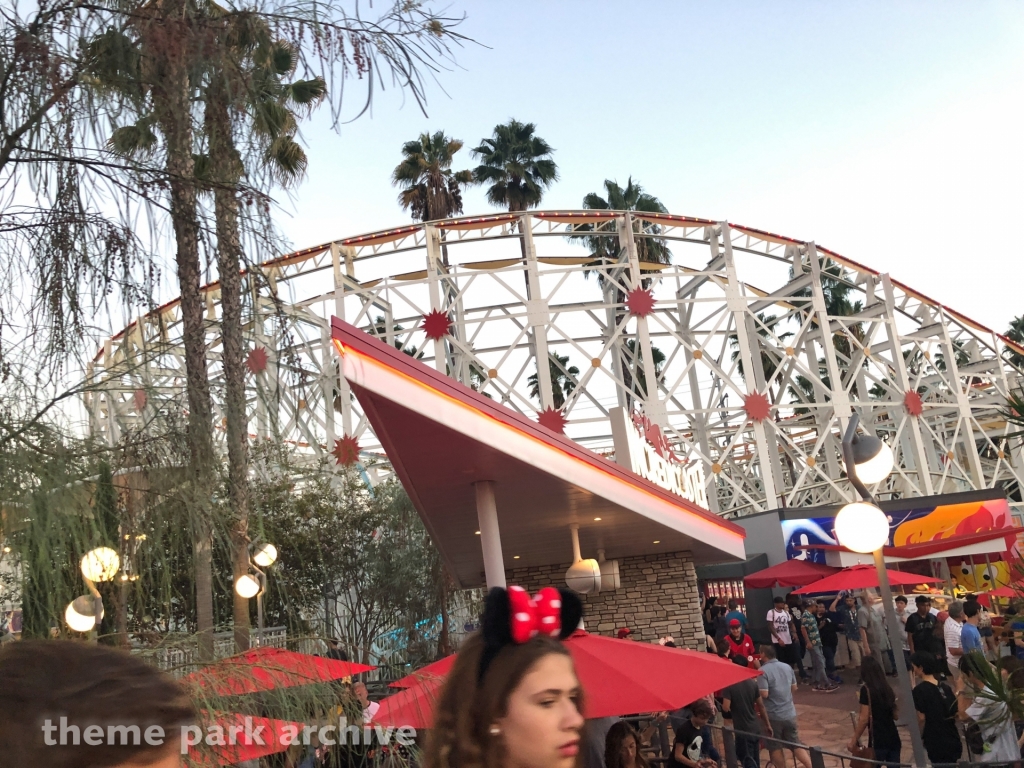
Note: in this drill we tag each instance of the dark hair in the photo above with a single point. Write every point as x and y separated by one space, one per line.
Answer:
617 734
779 599
701 708
971 664
469 705
822 603
733 605
971 608
90 685
768 651
922 599
873 675
740 659
901 598
926 661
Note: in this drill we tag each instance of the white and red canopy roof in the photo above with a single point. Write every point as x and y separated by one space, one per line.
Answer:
441 437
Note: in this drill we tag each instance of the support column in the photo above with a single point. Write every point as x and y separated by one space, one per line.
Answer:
537 316
736 302
654 408
434 285
490 536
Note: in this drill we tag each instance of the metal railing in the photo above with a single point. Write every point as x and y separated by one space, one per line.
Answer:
724 738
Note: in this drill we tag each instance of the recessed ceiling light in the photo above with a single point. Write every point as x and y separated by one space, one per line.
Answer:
477 533
596 519
515 557
657 541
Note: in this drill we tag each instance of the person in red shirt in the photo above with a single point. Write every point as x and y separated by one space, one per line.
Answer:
738 643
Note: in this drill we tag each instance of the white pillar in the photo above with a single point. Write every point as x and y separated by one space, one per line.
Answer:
490 537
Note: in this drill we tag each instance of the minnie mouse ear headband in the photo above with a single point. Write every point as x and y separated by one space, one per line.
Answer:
511 616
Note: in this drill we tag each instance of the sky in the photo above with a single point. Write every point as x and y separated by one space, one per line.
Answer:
889 132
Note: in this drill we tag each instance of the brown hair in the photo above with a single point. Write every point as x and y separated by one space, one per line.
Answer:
90 685
617 734
468 706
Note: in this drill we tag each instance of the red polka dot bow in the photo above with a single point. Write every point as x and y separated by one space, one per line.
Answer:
537 615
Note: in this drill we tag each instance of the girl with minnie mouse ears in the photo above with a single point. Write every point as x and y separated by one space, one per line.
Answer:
512 698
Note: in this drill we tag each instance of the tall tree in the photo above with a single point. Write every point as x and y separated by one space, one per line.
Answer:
1016 333
517 166
563 379
430 189
603 244
245 96
605 247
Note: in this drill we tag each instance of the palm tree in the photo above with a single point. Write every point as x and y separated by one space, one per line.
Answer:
640 376
769 361
1016 333
517 166
563 379
605 247
430 189
152 66
246 80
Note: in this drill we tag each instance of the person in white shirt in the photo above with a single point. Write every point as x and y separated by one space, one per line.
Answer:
369 707
993 716
779 624
901 615
951 634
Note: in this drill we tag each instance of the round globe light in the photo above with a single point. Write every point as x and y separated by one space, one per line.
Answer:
862 527
878 467
80 614
247 586
101 564
265 555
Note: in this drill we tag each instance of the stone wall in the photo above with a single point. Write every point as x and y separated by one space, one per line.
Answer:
658 597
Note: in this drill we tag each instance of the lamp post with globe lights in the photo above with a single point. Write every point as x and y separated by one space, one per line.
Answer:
85 613
263 555
863 527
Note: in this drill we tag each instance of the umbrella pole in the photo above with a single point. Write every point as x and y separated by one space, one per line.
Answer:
908 712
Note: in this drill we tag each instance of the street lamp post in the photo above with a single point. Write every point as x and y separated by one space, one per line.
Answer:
249 586
863 527
85 613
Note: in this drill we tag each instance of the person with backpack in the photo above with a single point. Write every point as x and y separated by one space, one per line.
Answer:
936 708
990 734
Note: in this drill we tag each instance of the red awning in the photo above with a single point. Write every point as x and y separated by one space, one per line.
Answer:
863 577
791 573
267 668
441 437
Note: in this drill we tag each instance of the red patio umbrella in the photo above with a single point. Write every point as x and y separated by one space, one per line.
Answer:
791 573
258 737
433 671
863 577
619 677
1010 590
264 669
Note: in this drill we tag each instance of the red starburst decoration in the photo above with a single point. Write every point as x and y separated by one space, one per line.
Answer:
257 360
640 302
757 406
553 419
346 451
139 396
912 402
436 324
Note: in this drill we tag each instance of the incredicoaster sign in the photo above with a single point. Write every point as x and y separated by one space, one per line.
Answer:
650 456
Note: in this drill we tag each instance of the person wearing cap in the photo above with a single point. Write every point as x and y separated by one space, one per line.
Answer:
780 624
739 643
624 633
951 634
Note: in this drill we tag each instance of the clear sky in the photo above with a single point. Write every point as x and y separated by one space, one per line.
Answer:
891 132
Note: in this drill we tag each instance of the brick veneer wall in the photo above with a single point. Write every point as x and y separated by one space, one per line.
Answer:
658 597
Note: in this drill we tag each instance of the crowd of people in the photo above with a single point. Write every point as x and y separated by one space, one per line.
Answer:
512 697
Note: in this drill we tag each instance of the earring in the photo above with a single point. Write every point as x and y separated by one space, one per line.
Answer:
495 730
